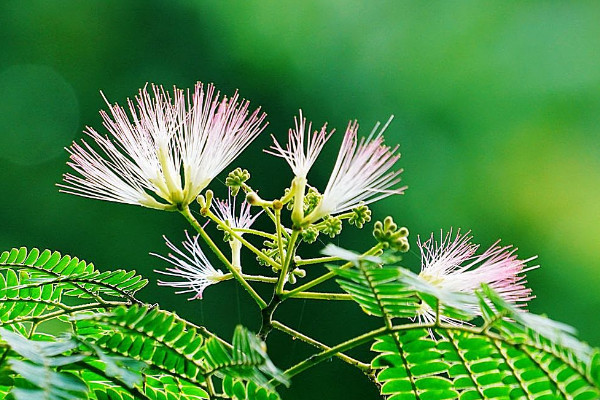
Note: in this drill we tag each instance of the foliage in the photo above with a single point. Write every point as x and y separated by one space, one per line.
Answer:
111 349
119 349
513 354
456 330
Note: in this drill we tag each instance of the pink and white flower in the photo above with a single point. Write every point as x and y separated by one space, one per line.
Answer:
362 173
302 148
453 265
166 150
226 211
191 265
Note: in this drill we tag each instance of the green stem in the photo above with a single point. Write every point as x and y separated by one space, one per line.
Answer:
329 275
297 335
256 232
267 318
233 233
249 278
318 260
279 228
319 296
64 309
322 225
286 264
236 254
236 274
73 281
359 340
325 354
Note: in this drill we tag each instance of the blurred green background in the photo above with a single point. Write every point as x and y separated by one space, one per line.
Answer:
496 109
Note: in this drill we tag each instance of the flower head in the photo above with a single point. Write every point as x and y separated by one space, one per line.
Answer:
453 265
191 265
226 211
166 150
300 152
362 173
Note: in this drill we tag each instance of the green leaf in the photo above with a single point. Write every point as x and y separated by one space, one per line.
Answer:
157 337
378 290
36 363
506 358
246 360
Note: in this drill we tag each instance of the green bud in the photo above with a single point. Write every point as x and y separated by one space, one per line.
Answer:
333 226
271 250
290 204
299 272
235 180
226 235
260 260
388 234
209 197
205 202
310 234
311 200
360 216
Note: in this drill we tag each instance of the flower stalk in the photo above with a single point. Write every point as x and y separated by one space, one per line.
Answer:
234 271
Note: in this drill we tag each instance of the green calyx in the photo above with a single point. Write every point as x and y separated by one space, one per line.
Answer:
360 216
390 236
236 179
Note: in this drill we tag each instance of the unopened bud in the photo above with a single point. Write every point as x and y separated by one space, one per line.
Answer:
389 235
253 199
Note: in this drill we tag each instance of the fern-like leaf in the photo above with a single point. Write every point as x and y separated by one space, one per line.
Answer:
159 338
514 355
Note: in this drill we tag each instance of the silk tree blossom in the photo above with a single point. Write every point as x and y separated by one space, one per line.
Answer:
191 266
225 210
302 148
300 152
166 150
453 265
362 173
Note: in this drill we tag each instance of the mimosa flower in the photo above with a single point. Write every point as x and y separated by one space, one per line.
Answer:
300 152
166 151
362 173
191 265
453 266
226 211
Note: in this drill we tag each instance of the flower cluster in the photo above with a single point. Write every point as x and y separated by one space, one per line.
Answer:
363 172
190 264
300 152
166 151
226 211
453 265
170 146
